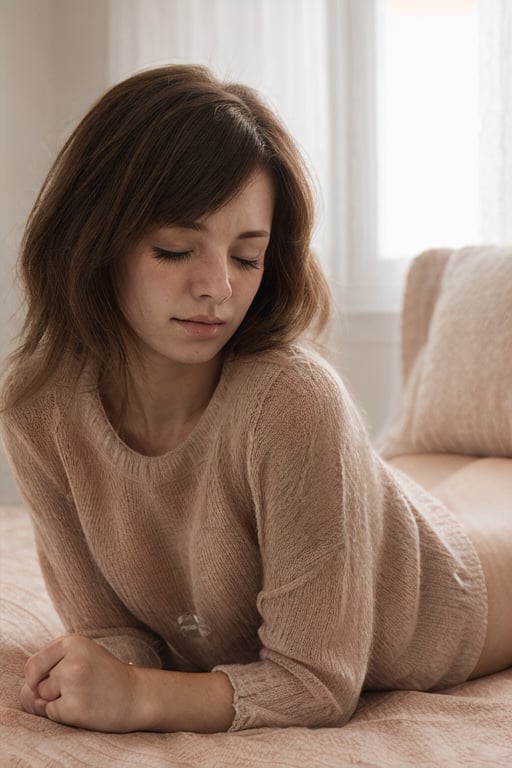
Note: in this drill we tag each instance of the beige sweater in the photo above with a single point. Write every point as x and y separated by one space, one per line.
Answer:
273 544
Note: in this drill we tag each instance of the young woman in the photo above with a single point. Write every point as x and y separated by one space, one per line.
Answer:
223 545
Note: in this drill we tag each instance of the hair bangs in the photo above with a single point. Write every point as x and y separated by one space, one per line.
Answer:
216 159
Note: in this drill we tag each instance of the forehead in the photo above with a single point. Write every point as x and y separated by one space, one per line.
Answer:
255 201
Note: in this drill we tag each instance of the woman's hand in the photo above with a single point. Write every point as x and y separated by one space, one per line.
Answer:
78 682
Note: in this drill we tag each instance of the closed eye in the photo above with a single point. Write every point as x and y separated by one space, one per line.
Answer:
165 255
247 263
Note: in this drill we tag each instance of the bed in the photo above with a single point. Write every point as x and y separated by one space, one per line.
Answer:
469 725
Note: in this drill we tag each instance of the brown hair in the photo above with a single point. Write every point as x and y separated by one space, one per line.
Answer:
166 145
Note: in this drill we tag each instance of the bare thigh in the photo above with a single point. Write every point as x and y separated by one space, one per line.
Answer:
480 496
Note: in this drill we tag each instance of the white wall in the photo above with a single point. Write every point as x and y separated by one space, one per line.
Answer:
365 348
25 77
53 65
26 128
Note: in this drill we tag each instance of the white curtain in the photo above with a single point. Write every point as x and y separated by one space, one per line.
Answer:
496 119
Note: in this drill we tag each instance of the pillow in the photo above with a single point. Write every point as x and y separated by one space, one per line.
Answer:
458 393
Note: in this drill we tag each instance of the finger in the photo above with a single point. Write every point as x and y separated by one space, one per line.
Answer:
53 711
60 712
27 698
32 703
38 666
49 688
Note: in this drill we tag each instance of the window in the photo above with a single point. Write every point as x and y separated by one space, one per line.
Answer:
428 123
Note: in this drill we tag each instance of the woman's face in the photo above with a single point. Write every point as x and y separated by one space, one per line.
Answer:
185 290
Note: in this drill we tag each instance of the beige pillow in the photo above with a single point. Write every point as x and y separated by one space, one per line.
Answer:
458 393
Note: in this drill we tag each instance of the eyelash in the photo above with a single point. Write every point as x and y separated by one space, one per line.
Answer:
164 255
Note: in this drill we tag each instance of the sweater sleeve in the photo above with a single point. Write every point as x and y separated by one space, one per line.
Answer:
317 499
85 602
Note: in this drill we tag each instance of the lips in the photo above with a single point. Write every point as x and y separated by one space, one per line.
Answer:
204 319
201 327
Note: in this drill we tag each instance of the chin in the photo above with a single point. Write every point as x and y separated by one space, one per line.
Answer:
196 356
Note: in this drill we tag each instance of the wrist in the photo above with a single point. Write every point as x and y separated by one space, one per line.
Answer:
145 704
168 701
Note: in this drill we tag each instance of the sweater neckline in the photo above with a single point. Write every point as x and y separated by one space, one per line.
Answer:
189 451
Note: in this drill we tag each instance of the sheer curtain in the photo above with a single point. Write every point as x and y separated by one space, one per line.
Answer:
496 120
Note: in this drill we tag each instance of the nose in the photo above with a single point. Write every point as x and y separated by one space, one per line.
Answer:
212 278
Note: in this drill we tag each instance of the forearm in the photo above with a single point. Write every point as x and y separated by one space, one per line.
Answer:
201 702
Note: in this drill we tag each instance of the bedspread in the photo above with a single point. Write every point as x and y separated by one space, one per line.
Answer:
470 725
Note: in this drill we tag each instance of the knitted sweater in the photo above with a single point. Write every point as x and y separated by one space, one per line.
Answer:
273 543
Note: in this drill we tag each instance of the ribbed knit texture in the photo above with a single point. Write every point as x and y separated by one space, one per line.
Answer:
273 544
457 353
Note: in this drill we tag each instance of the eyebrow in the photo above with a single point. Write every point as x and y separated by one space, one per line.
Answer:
197 226
254 233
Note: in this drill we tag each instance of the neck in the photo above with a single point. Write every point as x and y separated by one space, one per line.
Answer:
163 403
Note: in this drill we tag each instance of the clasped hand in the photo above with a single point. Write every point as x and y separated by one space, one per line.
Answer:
76 681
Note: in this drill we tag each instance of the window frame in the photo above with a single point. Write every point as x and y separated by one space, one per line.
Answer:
361 281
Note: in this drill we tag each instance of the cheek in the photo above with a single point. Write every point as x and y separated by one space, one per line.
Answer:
143 292
245 294
256 286
154 281
250 283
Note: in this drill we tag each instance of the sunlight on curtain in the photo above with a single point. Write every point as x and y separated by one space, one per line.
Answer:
429 125
445 124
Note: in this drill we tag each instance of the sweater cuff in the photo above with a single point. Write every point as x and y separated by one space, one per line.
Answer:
268 695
